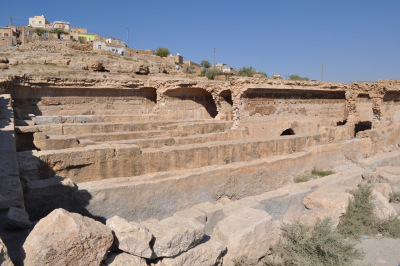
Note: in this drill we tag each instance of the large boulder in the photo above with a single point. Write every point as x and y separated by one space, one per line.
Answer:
310 217
3 66
140 68
214 214
123 259
17 219
328 196
383 188
382 208
3 60
95 65
174 235
64 238
208 253
192 213
131 237
4 258
249 232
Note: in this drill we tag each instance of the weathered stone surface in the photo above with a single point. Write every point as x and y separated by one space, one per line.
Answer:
4 258
310 217
382 207
383 188
123 259
131 237
148 222
94 64
17 219
3 60
248 232
173 236
208 252
224 201
192 213
64 238
328 196
3 66
214 214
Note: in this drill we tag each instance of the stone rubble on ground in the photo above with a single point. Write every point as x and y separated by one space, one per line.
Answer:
17 219
123 259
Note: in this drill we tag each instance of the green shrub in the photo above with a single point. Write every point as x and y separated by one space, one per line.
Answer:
302 179
300 245
249 72
189 70
205 64
321 173
162 52
296 77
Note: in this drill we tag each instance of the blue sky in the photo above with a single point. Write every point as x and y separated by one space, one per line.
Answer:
357 40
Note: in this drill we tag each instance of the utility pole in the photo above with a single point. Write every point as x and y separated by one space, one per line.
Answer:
322 73
127 42
11 42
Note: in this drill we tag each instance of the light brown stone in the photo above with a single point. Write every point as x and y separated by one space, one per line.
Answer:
94 64
207 253
328 196
131 237
382 208
191 213
175 235
3 60
3 66
310 217
64 238
249 232
123 259
383 188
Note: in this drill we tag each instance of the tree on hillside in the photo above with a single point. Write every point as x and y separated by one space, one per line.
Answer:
249 72
205 64
40 31
162 52
296 77
59 32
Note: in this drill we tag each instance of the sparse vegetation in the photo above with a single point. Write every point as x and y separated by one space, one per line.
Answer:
69 55
210 73
360 220
249 72
40 31
162 52
296 77
82 40
190 70
300 245
205 64
315 173
128 58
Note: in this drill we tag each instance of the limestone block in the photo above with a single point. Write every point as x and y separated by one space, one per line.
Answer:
131 237
148 222
214 214
394 170
224 201
208 253
4 258
64 238
140 68
369 176
173 236
310 217
249 232
3 60
12 61
383 188
328 196
94 64
123 259
17 219
382 207
232 207
3 66
192 213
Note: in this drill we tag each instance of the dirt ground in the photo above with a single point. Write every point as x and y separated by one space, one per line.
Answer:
385 251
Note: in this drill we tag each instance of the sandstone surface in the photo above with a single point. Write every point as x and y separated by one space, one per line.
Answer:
209 252
382 208
4 258
131 237
123 259
328 196
248 232
64 238
175 235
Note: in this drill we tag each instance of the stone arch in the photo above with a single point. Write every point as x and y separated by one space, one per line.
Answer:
288 132
226 105
189 103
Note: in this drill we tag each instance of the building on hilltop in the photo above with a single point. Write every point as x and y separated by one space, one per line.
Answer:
90 37
178 59
112 47
38 22
61 25
76 31
223 67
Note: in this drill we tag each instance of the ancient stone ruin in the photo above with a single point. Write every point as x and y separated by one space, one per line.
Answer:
176 171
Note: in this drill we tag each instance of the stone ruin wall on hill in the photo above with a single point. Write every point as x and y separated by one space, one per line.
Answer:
219 139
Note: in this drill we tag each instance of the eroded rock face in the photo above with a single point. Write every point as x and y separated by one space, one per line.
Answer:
17 219
208 253
3 60
328 196
94 64
64 238
4 258
248 232
123 259
384 189
3 66
175 235
131 237
310 217
382 207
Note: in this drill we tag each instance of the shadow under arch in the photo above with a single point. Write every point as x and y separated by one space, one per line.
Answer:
201 97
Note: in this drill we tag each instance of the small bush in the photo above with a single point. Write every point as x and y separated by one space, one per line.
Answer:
300 245
128 58
68 54
296 77
395 197
302 179
162 52
321 173
188 70
205 64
